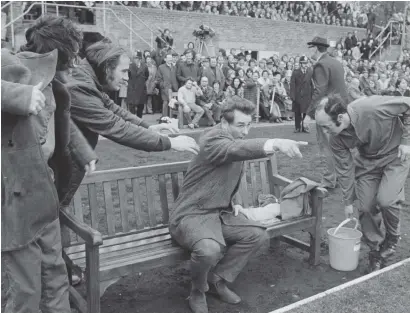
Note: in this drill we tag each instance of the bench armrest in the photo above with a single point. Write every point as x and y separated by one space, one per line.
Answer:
91 236
283 181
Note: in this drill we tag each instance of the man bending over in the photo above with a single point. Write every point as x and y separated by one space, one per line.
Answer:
379 127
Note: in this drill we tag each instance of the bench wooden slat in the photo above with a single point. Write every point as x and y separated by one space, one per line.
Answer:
137 202
243 188
163 198
78 206
273 170
264 178
134 172
129 247
122 192
92 197
175 185
149 185
123 238
78 210
253 181
109 208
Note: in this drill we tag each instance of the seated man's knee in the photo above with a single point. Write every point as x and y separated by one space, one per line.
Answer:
257 235
201 111
208 249
186 109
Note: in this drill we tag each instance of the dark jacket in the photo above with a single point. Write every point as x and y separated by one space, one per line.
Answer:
301 90
30 198
327 77
211 181
96 114
212 76
137 87
167 79
185 70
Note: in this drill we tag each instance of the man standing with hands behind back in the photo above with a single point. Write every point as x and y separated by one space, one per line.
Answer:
327 78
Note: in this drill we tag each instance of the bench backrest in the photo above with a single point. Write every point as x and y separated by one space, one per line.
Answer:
137 199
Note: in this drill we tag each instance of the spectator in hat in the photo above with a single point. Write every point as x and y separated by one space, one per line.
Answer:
301 93
327 78
137 88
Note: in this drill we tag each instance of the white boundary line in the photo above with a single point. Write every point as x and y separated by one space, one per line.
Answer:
340 287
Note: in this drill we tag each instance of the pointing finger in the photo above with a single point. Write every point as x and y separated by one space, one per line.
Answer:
302 143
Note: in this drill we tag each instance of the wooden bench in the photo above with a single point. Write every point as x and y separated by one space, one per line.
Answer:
118 221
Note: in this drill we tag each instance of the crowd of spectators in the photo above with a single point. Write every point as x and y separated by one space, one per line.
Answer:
206 82
320 12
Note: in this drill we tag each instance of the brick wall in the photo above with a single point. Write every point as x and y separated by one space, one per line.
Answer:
231 32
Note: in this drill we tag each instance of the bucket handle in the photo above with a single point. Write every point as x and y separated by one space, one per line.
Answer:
345 222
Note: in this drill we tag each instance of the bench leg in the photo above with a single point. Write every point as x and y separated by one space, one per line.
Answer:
316 231
180 117
93 279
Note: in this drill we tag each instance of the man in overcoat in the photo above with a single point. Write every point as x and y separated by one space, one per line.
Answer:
301 93
204 221
137 88
39 144
167 80
379 127
327 78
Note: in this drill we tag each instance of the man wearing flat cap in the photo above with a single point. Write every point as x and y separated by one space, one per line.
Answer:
327 78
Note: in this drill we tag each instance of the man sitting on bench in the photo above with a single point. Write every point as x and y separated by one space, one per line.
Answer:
204 219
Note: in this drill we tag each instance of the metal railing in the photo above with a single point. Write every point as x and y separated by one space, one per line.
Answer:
382 37
143 23
44 6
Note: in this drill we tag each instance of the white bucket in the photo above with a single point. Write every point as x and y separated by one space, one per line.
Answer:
344 246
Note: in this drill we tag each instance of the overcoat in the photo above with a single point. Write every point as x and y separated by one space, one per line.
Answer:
31 196
301 90
137 88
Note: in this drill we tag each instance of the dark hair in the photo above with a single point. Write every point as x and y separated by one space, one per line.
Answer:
265 71
249 70
90 38
103 58
398 82
276 73
193 45
189 78
335 106
236 103
50 33
216 83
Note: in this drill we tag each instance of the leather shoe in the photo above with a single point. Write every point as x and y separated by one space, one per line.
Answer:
197 301
220 289
389 245
297 131
375 261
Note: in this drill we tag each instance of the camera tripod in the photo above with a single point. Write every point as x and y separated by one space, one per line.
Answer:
209 48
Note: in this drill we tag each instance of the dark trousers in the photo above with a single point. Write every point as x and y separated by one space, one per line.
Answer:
242 242
136 109
37 275
299 117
